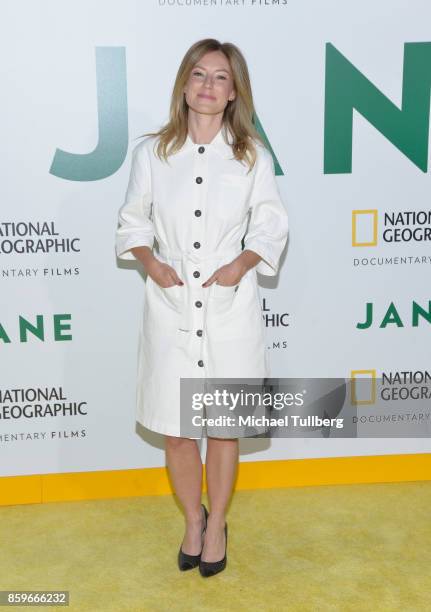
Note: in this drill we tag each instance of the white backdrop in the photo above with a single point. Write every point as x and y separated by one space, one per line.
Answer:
90 303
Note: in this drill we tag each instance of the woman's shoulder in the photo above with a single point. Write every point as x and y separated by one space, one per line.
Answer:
146 145
263 154
261 149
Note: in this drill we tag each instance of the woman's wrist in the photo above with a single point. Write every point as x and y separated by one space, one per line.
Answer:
144 254
248 259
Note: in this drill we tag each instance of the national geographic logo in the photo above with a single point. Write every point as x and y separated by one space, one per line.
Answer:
32 238
38 403
395 404
275 320
403 385
35 238
49 406
394 228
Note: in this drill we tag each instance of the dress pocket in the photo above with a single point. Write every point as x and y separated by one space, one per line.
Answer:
221 298
234 191
172 296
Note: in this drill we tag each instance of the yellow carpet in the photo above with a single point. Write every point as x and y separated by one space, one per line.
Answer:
359 547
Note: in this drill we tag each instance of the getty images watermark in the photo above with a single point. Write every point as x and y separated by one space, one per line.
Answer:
365 407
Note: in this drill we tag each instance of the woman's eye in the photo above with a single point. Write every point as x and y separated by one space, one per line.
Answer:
198 73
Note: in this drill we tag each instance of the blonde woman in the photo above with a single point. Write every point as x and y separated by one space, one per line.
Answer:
204 186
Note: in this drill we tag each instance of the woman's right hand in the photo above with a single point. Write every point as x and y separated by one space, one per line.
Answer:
162 273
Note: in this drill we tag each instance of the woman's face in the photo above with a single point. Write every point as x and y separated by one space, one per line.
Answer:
210 84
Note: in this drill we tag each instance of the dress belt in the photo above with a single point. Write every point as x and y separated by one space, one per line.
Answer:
195 257
191 257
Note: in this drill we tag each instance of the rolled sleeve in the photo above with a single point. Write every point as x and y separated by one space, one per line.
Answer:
135 226
268 225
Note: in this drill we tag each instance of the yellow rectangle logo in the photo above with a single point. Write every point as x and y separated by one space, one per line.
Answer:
364 228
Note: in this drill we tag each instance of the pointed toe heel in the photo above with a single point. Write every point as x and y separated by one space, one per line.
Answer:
210 568
188 562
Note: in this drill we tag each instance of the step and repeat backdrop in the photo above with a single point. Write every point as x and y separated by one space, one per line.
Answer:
342 96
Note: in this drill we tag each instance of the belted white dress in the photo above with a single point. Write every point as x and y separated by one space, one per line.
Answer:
199 206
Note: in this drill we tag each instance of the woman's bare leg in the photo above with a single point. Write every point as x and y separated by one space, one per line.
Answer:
221 466
185 468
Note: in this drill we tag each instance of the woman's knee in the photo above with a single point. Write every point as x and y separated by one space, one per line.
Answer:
178 442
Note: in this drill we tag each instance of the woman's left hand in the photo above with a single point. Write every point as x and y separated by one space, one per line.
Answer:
227 275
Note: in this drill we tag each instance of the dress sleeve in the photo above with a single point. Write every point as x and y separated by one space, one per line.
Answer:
268 225
135 227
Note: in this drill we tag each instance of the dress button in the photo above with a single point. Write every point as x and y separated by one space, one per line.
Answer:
198 303
199 332
196 245
200 363
198 213
199 179
201 149
196 274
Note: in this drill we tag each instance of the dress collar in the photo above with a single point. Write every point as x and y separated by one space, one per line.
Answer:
221 143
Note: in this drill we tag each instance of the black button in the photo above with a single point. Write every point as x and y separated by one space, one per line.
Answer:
201 149
198 213
200 363
199 332
198 304
199 179
196 245
196 274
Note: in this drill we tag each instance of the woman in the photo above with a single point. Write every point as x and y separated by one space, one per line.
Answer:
200 186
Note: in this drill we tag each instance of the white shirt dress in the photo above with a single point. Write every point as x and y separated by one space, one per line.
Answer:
199 206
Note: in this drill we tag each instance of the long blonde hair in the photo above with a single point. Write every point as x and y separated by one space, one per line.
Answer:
238 115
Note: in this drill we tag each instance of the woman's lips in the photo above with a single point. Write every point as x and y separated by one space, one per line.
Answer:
206 97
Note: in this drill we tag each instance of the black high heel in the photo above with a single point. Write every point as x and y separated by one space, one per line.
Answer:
185 561
209 568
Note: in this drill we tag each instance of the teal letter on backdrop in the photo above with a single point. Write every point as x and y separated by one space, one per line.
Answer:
112 145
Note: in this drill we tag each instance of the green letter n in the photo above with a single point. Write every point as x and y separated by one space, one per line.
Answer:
346 88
